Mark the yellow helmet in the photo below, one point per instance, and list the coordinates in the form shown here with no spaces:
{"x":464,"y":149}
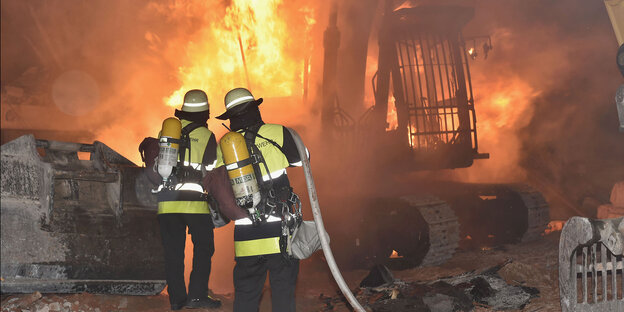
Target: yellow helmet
{"x":195,"y":101}
{"x":236,"y":101}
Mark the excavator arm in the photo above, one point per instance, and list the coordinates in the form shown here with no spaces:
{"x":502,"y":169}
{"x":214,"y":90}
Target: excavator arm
{"x":615,"y":9}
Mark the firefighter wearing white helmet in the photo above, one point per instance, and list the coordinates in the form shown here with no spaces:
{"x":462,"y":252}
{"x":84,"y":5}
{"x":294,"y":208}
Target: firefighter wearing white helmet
{"x":260,"y":238}
{"x":184,"y":204}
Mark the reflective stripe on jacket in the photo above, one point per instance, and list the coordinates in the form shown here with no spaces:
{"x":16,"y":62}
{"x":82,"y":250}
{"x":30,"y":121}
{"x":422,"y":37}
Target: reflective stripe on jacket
{"x":183,"y":207}
{"x":256,"y":240}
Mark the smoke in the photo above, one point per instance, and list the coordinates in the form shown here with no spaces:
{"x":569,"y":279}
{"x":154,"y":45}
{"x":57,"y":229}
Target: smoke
{"x":545,"y":100}
{"x":544,"y":97}
{"x":94,"y":63}
{"x":110,"y":66}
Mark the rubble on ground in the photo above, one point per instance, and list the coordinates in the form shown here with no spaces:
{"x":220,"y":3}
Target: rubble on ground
{"x":533,"y":264}
{"x":36,"y":302}
{"x":463,"y":292}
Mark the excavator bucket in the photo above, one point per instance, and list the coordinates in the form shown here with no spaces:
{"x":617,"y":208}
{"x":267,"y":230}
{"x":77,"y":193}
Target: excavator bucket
{"x":590,"y":265}
{"x":72,"y":225}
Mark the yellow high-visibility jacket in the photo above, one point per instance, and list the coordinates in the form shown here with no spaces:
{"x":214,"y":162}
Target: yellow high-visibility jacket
{"x":187,"y":197}
{"x":263,"y":239}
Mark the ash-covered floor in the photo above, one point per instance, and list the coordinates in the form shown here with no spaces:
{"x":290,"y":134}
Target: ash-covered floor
{"x":530,"y":265}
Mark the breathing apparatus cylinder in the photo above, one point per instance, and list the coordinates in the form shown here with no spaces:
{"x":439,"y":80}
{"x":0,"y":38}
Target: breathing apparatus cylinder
{"x":168,"y":153}
{"x":241,"y":172}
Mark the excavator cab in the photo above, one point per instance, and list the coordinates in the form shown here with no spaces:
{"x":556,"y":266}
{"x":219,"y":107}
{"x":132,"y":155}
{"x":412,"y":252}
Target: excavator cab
{"x":423,"y":68}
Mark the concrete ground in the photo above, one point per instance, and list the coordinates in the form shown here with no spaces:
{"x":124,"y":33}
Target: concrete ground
{"x":531,"y":264}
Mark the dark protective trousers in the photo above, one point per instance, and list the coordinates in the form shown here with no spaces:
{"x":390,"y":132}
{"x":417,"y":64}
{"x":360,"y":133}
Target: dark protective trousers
{"x":250,"y":275}
{"x":173,"y":232}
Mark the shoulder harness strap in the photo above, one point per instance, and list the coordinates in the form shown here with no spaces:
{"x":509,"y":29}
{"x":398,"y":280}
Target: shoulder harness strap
{"x":186,"y":141}
{"x":266,"y":188}
{"x":185,"y":173}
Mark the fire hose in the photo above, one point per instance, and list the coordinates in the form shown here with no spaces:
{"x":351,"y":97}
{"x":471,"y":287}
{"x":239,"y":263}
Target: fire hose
{"x":316,"y":211}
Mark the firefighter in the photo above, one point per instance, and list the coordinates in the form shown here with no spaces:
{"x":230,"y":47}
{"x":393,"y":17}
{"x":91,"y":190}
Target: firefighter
{"x":185,"y":205}
{"x":260,"y":244}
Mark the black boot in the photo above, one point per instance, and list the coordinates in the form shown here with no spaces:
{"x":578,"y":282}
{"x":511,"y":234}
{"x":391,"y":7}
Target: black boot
{"x":177,"y":306}
{"x":206,"y":302}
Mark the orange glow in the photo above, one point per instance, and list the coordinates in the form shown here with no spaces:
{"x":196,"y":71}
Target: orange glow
{"x":276,"y":40}
{"x":371,"y":69}
{"x":501,"y":101}
{"x":391,"y":119}
{"x":554,"y":226}
{"x":395,"y":255}
{"x":503,"y":106}
{"x":203,"y":49}
{"x":275,"y":69}
{"x":404,"y":5}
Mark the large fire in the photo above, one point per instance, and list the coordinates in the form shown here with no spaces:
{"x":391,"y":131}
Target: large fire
{"x":252,"y":45}
{"x":269,"y":46}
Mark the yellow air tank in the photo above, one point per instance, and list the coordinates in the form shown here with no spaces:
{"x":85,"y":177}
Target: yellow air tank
{"x":168,"y":153}
{"x":240,"y":171}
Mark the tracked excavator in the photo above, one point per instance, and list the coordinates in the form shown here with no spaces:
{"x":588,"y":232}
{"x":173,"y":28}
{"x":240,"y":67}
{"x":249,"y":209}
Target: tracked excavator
{"x":398,"y":212}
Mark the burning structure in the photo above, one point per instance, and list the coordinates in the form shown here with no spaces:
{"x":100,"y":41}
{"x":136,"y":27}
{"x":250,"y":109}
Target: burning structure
{"x":419,"y":116}
{"x":423,"y":69}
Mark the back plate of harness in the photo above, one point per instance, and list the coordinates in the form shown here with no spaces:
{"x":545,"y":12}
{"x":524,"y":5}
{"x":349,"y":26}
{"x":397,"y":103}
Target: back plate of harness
{"x":187,"y":174}
{"x":281,"y":201}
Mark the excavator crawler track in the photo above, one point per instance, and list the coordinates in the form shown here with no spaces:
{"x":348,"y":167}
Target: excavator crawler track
{"x":537,"y":210}
{"x":443,"y":228}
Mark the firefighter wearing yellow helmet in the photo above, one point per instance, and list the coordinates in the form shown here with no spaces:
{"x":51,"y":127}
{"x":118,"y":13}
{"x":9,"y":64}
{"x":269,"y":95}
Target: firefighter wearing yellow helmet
{"x":183,"y":202}
{"x":260,"y":238}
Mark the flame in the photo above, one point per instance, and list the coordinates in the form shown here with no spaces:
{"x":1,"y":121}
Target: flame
{"x":276,"y":40}
{"x":504,"y":104}
{"x":395,"y":255}
{"x":391,"y":118}
{"x":251,"y":46}
{"x":404,"y":5}
{"x":554,"y":226}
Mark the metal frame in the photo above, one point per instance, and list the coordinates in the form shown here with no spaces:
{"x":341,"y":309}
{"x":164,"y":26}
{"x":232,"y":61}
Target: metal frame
{"x":423,"y":60}
{"x":436,"y":89}
{"x":591,"y":264}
